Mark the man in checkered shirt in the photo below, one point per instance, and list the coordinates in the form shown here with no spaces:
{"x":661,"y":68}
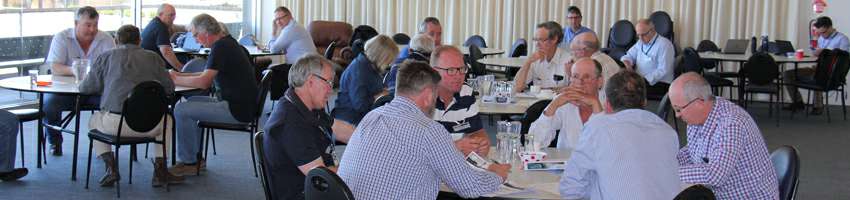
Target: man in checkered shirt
{"x":725,"y":151}
{"x":398,"y":152}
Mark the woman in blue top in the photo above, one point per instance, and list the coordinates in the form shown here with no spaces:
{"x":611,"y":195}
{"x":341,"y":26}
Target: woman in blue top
{"x":361,"y":82}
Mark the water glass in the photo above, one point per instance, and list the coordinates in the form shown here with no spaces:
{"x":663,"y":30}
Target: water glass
{"x":503,"y":147}
{"x":33,"y":76}
{"x":80,"y":68}
{"x":484,"y":84}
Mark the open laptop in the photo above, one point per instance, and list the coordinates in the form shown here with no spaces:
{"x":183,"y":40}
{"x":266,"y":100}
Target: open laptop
{"x":736,"y":46}
{"x":781,"y":47}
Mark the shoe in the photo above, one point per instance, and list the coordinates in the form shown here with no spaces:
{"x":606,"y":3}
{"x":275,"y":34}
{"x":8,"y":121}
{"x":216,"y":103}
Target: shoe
{"x":111,"y":176}
{"x":816,"y":111}
{"x":56,"y":149}
{"x":161,"y":176}
{"x":183,"y":169}
{"x":13,"y":175}
{"x":794,"y":106}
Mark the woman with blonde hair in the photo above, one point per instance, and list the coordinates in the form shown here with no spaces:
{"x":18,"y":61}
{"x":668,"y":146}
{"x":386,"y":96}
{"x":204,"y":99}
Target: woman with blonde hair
{"x":361,"y":82}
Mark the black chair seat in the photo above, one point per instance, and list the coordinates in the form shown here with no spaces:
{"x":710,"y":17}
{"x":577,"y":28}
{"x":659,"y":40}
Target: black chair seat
{"x":112,"y":139}
{"x":226,"y":126}
{"x":808,"y":83}
{"x":717,"y":81}
{"x":26,"y":114}
{"x":767,"y":88}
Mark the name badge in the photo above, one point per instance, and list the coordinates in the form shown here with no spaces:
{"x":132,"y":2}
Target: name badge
{"x":459,"y":127}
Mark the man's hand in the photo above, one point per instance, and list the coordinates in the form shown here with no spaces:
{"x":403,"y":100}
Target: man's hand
{"x":538,"y":55}
{"x":629,"y":65}
{"x":568,"y":67}
{"x":173,"y":74}
{"x":500,"y":169}
{"x":469,"y":144}
{"x":577,"y":96}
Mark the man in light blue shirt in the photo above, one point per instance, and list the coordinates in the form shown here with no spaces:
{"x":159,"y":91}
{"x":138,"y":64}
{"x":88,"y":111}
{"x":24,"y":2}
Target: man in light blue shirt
{"x":652,"y":57}
{"x":829,"y":39}
{"x":573,"y":28}
{"x":292,"y":38}
{"x":83,"y":42}
{"x":627,"y":153}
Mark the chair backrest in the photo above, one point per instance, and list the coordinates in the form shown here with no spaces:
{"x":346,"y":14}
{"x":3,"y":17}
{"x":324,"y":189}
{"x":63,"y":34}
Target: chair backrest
{"x":691,"y":62}
{"x":761,"y":69}
{"x":325,"y":32}
{"x":280,"y":80}
{"x":663,"y":24}
{"x":329,"y":52}
{"x":265,"y":86}
{"x":261,"y":162}
{"x":708,"y":46}
{"x":363,"y":32}
{"x":839,"y":70}
{"x":786,"y":162}
{"x":401,"y":39}
{"x":322,"y":183}
{"x":532,"y":113}
{"x":476,"y":68}
{"x":145,"y":106}
{"x":622,"y":35}
{"x":383,"y":100}
{"x":475,"y":40}
{"x":696,"y":192}
{"x":664,"y":107}
{"x":519,"y":48}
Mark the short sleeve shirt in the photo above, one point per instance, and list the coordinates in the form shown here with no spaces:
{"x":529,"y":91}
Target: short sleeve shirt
{"x":461,"y":115}
{"x":235,"y":81}
{"x":154,"y":35}
{"x":65,"y":48}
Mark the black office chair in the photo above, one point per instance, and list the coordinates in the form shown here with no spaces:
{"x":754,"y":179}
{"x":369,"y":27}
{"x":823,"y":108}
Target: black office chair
{"x":830,"y":75}
{"x":663,"y":111}
{"x":401,"y":39}
{"x":261,"y":162}
{"x":761,"y":74}
{"x":664,"y":27}
{"x":786,"y":162}
{"x":696,"y":192}
{"x":475,"y":68}
{"x":143,"y":110}
{"x":709,"y":46}
{"x":621,"y":37}
{"x":329,"y":52}
{"x":519,"y":48}
{"x":531,"y":114}
{"x":476,"y":40}
{"x":322,"y":183}
{"x":691,"y":62}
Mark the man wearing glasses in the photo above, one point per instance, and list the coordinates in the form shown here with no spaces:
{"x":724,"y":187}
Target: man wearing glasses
{"x":292,"y":38}
{"x":544,"y":68}
{"x":653,"y":57}
{"x":157,"y":34}
{"x":725,"y":149}
{"x":574,"y":27}
{"x":456,"y":108}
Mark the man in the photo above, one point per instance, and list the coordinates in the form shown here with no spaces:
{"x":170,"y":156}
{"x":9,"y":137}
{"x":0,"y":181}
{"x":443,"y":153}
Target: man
{"x":544,"y":68}
{"x":652,"y":57}
{"x":420,"y":48}
{"x":156,"y":36}
{"x":628,"y":153}
{"x":292,"y":38}
{"x":236,"y":90}
{"x":398,"y":152}
{"x":8,"y":134}
{"x":725,"y":149}
{"x":83,"y":42}
{"x":431,"y":27}
{"x":298,"y":136}
{"x":570,"y":110}
{"x":574,"y":27}
{"x":456,"y":107}
{"x":115,"y":74}
{"x":586,"y":45}
{"x":829,"y":39}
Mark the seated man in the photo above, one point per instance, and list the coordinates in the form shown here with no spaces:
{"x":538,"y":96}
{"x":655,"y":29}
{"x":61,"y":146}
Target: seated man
{"x":457,"y":108}
{"x":398,"y":152}
{"x":571,"y":109}
{"x":157,"y":34}
{"x":586,"y":45}
{"x":114,"y":74}
{"x":544,"y":68}
{"x":420,"y":48}
{"x":627,"y":153}
{"x":652,"y":57}
{"x":298,"y":136}
{"x":574,"y":27}
{"x":291,"y":38}
{"x":829,"y":39}
{"x":431,"y":27}
{"x":236,"y":90}
{"x":83,"y":42}
{"x":8,"y":134}
{"x":725,"y":149}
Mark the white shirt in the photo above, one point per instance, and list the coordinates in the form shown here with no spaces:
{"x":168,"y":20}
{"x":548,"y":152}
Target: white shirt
{"x":566,"y":120}
{"x":65,"y":48}
{"x":609,"y":66}
{"x":654,"y":59}
{"x":294,"y":41}
{"x":543,"y":72}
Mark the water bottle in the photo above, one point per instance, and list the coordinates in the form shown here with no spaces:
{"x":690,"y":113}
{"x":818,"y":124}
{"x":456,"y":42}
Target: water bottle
{"x":503,"y":145}
{"x":516,"y":146}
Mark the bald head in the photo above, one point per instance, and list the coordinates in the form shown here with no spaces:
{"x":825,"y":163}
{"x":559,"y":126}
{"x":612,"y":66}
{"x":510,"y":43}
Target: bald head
{"x":690,"y":86}
{"x":584,"y":45}
{"x":589,"y":65}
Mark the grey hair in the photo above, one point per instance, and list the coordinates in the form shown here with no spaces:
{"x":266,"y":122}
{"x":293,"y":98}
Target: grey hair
{"x":697,"y":88}
{"x":422,"y":43}
{"x":381,"y":50}
{"x":648,"y":23}
{"x":206,"y":23}
{"x":86,"y":12}
{"x":423,"y":26}
{"x":305,"y":67}
{"x":415,"y":76}
{"x":555,"y":30}
{"x":224,"y":28}
{"x":162,"y":8}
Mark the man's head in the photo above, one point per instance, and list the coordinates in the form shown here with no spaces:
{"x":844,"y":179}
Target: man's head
{"x":823,"y":25}
{"x":691,"y":98}
{"x":645,"y":30}
{"x":573,"y":17}
{"x":128,"y":34}
{"x":166,"y":14}
{"x":419,"y":82}
{"x":205,"y":29}
{"x":584,"y":45}
{"x":587,"y":75}
{"x":313,"y":74}
{"x":422,"y":43}
{"x":625,"y":90}
{"x":448,"y":61}
{"x":431,"y":26}
{"x":85,"y":23}
{"x":282,"y":16}
{"x":548,"y":35}
{"x":381,"y":50}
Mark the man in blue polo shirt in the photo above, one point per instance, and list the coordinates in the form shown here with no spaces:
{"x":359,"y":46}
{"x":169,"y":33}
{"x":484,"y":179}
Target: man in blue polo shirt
{"x":573,"y":28}
{"x":829,"y":39}
{"x":156,"y":36}
{"x":456,"y":108}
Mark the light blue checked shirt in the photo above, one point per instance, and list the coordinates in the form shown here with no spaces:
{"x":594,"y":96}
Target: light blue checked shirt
{"x":836,"y":40}
{"x":397,"y":152}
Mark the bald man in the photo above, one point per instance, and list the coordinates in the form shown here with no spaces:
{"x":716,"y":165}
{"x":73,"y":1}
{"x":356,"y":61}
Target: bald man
{"x":652,"y":57}
{"x":586,"y":45}
{"x":157,"y":36}
{"x":725,"y":149}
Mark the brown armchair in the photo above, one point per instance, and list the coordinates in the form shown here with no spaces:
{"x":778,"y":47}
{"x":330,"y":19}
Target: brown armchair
{"x":325,"y":32}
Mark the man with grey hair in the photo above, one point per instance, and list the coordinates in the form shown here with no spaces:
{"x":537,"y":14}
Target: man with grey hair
{"x":229,"y":67}
{"x":83,"y":44}
{"x":398,"y":152}
{"x":298,"y":134}
{"x":420,"y":48}
{"x":545,"y":68}
{"x":725,"y":149}
{"x":652,"y":57}
{"x":156,"y":36}
{"x":586,"y":45}
{"x":431,"y":27}
{"x":626,"y":145}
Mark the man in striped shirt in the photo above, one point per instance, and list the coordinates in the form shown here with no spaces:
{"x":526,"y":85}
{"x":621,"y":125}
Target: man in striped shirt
{"x":457,"y":108}
{"x":725,"y":150}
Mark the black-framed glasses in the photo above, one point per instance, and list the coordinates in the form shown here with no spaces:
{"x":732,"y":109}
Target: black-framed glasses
{"x":679,"y":110}
{"x":574,"y":17}
{"x":329,"y":82}
{"x":454,"y":71}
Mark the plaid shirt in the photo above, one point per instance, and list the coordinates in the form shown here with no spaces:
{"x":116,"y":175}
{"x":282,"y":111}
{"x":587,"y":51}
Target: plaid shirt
{"x":728,"y":154}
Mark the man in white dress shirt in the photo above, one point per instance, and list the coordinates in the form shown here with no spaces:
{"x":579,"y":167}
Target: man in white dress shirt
{"x":544,"y":68}
{"x":652,"y":57}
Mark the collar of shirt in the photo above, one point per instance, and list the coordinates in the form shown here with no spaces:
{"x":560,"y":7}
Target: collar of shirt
{"x":314,"y":117}
{"x":99,"y":37}
{"x":720,"y":106}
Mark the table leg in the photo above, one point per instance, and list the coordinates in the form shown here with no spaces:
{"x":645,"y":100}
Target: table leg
{"x":40,"y":131}
{"x":76,"y":138}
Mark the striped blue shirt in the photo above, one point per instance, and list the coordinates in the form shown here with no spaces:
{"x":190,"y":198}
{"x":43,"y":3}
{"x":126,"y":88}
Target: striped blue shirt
{"x":397,"y":152}
{"x":460,"y":115}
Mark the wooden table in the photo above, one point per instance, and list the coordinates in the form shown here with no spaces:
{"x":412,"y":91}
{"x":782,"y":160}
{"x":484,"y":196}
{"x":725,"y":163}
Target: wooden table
{"x":511,"y":62}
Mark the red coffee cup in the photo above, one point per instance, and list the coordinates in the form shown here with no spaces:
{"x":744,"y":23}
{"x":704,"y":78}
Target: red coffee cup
{"x":800,"y":54}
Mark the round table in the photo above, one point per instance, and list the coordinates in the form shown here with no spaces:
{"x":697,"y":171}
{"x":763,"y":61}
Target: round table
{"x":484,"y":51}
{"x":518,"y":107}
{"x":512,"y":62}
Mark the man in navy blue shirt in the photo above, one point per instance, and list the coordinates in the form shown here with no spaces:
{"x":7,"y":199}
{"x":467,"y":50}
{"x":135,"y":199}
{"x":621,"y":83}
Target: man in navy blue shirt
{"x":156,"y":36}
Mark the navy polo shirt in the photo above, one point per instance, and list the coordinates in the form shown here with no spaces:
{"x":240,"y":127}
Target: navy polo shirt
{"x":155,"y":34}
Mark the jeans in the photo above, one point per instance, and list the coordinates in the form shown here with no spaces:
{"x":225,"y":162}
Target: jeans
{"x":8,"y":134}
{"x":188,"y":113}
{"x":55,"y":104}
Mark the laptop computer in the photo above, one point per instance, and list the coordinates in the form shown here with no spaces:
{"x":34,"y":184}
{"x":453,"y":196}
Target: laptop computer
{"x":781,"y":47}
{"x":735,"y":46}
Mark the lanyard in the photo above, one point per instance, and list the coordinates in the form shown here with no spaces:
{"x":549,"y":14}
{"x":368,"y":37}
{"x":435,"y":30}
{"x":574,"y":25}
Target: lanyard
{"x":646,"y":51}
{"x":828,"y":41}
{"x":325,"y":132}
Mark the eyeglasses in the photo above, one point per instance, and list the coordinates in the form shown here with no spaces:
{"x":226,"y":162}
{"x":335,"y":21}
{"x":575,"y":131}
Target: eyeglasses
{"x":679,"y":110}
{"x":579,"y":49}
{"x":324,"y":80}
{"x":454,"y":71}
{"x":583,"y":79}
{"x":541,"y":39}
{"x":644,"y":33}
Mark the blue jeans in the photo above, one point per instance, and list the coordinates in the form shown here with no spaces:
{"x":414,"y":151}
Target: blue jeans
{"x":55,"y":104}
{"x":8,"y":134}
{"x":188,"y":113}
